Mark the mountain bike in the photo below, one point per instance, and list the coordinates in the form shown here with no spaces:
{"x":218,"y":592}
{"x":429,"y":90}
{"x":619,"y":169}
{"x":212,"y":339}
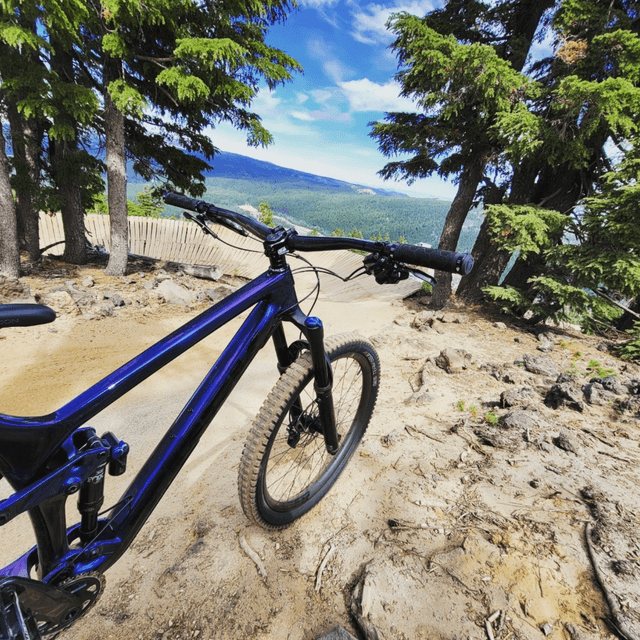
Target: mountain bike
{"x":304,"y":435}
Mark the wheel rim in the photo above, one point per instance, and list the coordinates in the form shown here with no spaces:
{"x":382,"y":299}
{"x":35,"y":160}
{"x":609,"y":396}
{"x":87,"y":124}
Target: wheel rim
{"x":297,"y":460}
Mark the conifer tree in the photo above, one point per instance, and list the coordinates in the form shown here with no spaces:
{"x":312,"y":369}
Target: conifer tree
{"x":462,"y":65}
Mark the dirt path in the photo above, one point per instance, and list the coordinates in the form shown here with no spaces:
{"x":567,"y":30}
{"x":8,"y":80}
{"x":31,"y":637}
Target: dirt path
{"x":442,"y":518}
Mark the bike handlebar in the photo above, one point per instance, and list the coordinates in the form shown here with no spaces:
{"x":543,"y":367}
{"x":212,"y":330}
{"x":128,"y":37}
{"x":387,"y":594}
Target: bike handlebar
{"x":225,"y":217}
{"x":449,"y":261}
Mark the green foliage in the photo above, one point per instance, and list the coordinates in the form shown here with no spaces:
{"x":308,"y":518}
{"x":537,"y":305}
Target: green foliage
{"x":630,"y":350}
{"x":595,"y":369}
{"x":491,"y":418}
{"x":527,"y":229}
{"x":314,"y":232}
{"x":147,"y":204}
{"x":266,"y":215}
{"x":337,"y":233}
{"x":512,"y":300}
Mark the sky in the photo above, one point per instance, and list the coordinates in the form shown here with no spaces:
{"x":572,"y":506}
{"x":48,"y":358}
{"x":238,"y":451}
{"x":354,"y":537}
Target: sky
{"x":319,"y":120}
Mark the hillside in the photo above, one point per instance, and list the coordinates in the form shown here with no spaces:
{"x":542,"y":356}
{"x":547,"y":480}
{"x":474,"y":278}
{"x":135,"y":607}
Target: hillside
{"x":466,"y":504}
{"x":315,"y":201}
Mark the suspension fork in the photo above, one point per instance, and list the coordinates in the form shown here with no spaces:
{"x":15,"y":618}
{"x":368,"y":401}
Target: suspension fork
{"x":313,"y":331}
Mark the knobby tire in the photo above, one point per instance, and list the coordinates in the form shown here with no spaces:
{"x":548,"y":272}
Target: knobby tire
{"x":285,"y":468}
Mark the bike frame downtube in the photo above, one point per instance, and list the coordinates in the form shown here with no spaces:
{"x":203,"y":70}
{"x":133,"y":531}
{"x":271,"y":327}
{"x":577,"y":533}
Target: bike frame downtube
{"x":171,"y":453}
{"x":273,"y":296}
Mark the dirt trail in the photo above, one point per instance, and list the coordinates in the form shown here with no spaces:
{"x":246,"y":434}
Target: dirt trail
{"x":442,"y":518}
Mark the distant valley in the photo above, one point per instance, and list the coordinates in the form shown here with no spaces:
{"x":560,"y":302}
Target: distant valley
{"x":312,"y":201}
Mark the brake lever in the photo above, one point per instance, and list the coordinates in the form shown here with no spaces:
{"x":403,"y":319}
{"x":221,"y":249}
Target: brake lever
{"x":425,"y":277}
{"x":200,"y":220}
{"x":234,"y":226}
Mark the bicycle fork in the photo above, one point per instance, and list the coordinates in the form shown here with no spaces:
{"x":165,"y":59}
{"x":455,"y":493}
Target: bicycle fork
{"x":313,"y":331}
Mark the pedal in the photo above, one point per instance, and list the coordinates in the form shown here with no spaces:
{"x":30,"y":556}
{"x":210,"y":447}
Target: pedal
{"x":16,"y":623}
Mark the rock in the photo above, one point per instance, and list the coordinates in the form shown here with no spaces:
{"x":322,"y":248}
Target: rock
{"x":453,"y":360}
{"x":337,"y":633}
{"x":633,"y":386}
{"x":117,"y":300}
{"x":208,"y":272}
{"x":541,"y":365}
{"x":571,"y":378}
{"x":88,"y":282}
{"x":421,"y":397}
{"x":520,"y":419}
{"x":174,"y":293}
{"x":596,"y":394}
{"x":423,"y":319}
{"x":499,"y":325}
{"x":547,"y":628}
{"x":564,"y":394}
{"x":217,"y":294}
{"x":62,"y":303}
{"x":518,"y":397}
{"x":566,"y":442}
{"x":631,"y":405}
{"x":12,"y":290}
{"x":545,"y":347}
{"x":613,"y":385}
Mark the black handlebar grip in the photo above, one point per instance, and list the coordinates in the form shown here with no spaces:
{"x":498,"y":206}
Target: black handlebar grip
{"x":183,"y":202}
{"x":449,"y":261}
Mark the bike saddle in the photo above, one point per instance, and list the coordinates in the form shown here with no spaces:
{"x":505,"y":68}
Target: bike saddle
{"x":25,"y":315}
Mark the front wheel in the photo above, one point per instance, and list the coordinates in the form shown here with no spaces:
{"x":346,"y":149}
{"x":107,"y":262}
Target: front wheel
{"x":285,"y":468}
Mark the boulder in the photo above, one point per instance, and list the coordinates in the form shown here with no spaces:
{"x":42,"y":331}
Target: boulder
{"x":540,"y":365}
{"x":518,"y":397}
{"x":453,"y":360}
{"x":596,"y":394}
{"x":564,"y":394}
{"x":62,"y":303}
{"x":521,"y":419}
{"x":174,"y":293}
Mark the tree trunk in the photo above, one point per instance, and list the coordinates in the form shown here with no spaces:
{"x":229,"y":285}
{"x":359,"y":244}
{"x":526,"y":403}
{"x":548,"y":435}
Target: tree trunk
{"x":117,"y":187}
{"x":469,"y":180}
{"x":9,"y":252}
{"x":490,"y":263}
{"x":626,"y":320}
{"x":559,"y":190}
{"x":26,"y":155}
{"x":65,"y":168}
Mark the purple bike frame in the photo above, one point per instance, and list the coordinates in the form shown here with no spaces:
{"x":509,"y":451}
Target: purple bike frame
{"x":273,"y":299}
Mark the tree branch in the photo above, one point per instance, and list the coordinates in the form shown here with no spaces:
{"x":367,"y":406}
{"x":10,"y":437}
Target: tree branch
{"x":617,"y":304}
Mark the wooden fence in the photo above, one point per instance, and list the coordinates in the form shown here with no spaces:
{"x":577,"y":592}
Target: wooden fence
{"x":182,"y":241}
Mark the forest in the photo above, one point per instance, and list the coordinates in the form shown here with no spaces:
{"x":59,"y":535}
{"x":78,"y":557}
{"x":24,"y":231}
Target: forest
{"x":414,"y":219}
{"x":532,"y":108}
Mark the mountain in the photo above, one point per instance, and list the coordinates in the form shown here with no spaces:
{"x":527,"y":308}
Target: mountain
{"x":233,"y":166}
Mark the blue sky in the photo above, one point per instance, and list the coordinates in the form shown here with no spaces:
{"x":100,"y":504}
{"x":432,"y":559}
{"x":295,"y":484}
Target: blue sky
{"x":320,"y":120}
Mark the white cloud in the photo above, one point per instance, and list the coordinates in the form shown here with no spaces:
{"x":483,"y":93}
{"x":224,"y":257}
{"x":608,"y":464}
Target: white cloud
{"x":321,"y":96}
{"x":302,"y":115}
{"x":301,"y":97}
{"x":369,"y":24}
{"x":333,"y":67}
{"x":365,"y":95}
{"x":319,"y":4}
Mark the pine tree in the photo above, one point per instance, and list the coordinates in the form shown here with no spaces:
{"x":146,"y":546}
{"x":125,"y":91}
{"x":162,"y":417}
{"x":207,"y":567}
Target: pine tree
{"x":461,"y":64}
{"x":266,"y":215}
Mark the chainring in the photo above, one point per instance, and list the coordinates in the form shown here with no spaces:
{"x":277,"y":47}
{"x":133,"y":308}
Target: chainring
{"x":88,"y":587}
